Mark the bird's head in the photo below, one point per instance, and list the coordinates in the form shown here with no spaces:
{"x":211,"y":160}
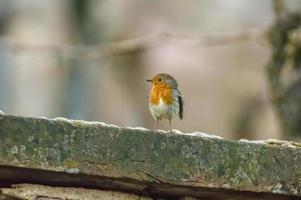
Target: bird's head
{"x":163,"y":80}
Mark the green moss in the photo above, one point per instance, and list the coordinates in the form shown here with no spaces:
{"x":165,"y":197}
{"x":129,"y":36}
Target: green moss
{"x":95,"y":149}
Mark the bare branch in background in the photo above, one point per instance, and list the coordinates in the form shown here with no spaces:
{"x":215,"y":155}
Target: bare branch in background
{"x":135,"y":44}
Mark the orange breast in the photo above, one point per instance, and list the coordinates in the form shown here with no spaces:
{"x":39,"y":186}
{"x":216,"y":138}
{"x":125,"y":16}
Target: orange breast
{"x":161,"y":92}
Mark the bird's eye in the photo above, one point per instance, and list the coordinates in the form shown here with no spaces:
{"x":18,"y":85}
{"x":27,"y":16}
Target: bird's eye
{"x":159,"y":79}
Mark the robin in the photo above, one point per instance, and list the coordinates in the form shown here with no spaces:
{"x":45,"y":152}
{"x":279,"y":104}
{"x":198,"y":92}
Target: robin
{"x":165,"y":100}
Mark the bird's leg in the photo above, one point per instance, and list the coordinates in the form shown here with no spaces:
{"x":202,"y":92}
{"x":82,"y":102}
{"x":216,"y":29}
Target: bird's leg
{"x":170,"y":127}
{"x":156,"y":120}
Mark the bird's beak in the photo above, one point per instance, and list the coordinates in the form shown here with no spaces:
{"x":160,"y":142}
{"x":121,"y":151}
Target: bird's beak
{"x":149,"y":80}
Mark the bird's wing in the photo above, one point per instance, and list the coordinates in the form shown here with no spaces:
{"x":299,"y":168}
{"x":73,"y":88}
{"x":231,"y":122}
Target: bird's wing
{"x":181,"y":104}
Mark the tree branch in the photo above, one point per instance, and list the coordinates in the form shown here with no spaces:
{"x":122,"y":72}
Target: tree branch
{"x":279,"y":8}
{"x":135,"y":44}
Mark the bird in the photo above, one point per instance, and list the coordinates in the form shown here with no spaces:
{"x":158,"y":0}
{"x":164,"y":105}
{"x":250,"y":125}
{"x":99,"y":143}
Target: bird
{"x":165,"y":99}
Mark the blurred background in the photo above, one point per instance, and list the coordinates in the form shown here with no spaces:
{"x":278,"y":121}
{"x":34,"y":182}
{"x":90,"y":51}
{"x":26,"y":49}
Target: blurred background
{"x":89,"y":60}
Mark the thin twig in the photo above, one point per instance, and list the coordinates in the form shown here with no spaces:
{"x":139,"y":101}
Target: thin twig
{"x":133,"y":45}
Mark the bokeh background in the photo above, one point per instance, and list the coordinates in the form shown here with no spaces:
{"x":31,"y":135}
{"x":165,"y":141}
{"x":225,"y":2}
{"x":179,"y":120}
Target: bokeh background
{"x":89,"y":60}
